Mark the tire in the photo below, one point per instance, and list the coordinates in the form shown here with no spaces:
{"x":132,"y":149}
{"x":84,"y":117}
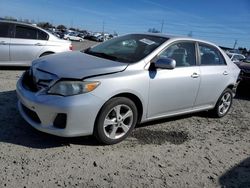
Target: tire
{"x":68,"y":38}
{"x":223,"y":104}
{"x":115,"y":121}
{"x":46,"y":53}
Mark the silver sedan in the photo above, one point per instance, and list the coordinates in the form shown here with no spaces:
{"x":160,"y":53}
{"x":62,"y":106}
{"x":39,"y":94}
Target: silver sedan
{"x":107,"y":89}
{"x":21,"y":43}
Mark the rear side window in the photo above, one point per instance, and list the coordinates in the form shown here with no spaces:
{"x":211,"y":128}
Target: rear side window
{"x":42,"y":35}
{"x":210,"y":55}
{"x":25,"y":32}
{"x":4,"y":30}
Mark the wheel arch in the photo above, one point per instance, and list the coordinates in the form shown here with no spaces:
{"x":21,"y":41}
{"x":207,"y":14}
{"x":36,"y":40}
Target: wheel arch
{"x":133,"y":98}
{"x":46,"y":53}
{"x":136,"y":100}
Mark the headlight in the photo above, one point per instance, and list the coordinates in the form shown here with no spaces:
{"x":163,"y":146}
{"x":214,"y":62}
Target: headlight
{"x":68,"y":88}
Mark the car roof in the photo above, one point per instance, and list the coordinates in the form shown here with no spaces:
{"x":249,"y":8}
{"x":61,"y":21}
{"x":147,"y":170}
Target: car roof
{"x":167,"y":36}
{"x":235,"y":54}
{"x":26,"y":24}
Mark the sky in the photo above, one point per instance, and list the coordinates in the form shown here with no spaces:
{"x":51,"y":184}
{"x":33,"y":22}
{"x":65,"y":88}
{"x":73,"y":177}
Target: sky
{"x":219,"y":21}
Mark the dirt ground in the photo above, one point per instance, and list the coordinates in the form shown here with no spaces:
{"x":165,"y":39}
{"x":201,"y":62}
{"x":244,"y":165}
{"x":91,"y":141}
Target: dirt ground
{"x":188,"y":151}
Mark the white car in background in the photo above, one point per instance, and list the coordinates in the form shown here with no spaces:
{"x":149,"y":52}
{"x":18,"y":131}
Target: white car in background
{"x":21,"y":43}
{"x":73,"y":36}
{"x":236,"y":57}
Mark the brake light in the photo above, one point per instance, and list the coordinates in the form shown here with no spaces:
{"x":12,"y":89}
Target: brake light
{"x":71,"y":47}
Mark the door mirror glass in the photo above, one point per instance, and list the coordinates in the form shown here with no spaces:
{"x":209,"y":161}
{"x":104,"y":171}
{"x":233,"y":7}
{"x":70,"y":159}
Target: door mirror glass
{"x":165,"y":63}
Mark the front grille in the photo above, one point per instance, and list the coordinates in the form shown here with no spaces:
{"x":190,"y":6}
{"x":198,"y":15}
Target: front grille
{"x":28,"y":82}
{"x":31,"y":114}
{"x":35,"y":80}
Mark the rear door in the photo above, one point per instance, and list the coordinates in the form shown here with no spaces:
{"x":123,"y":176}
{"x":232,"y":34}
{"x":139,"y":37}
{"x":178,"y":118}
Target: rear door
{"x":4,"y":42}
{"x":27,"y":44}
{"x":214,"y":75}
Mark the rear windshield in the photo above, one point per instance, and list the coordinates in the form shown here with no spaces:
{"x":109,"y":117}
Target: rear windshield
{"x":128,"y":49}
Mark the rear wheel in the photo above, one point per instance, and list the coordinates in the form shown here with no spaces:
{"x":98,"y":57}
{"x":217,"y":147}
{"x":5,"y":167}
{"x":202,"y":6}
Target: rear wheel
{"x":224,"y":103}
{"x":116,"y":120}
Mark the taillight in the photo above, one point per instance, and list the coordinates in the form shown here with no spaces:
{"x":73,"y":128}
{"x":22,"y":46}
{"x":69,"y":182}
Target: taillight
{"x":71,"y":47}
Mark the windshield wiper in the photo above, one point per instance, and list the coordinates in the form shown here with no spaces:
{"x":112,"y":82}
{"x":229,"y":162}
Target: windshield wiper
{"x":101,"y":54}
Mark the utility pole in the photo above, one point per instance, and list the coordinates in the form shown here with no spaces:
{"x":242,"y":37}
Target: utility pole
{"x":235,"y":43}
{"x":190,"y":34}
{"x":162,"y":24}
{"x":103,"y":28}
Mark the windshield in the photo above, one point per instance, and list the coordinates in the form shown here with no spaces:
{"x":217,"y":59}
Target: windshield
{"x":128,"y":49}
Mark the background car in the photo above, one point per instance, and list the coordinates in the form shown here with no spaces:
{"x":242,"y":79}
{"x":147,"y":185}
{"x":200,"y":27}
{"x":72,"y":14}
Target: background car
{"x":236,"y":57}
{"x":21,"y":43}
{"x":109,"y":88}
{"x":73,"y":36}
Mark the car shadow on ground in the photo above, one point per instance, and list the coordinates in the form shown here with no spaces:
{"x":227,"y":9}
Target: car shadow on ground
{"x":237,"y":176}
{"x":14,"y":130}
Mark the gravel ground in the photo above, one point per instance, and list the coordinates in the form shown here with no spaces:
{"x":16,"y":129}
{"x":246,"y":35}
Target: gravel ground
{"x":187,"y":151}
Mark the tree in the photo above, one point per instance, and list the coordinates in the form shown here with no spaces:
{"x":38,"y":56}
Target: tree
{"x":45,"y":25}
{"x":242,"y":50}
{"x":153,"y":30}
{"x":61,"y":27}
{"x":10,"y":18}
{"x":73,"y":29}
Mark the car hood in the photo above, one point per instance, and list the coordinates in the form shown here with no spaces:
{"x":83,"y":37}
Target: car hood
{"x":77,"y":65}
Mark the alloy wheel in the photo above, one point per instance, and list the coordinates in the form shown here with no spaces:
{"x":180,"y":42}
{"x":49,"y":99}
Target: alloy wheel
{"x":118,"y":121}
{"x":225,"y":103}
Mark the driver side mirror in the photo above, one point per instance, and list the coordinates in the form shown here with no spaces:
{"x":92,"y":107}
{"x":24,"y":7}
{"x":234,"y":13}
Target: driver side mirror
{"x":165,"y":63}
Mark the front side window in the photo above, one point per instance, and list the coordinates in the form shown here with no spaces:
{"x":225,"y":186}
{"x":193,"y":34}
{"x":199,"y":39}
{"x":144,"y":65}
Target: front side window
{"x":128,"y":49}
{"x":209,"y":55}
{"x":24,"y":32}
{"x":4,"y":30}
{"x":182,"y":52}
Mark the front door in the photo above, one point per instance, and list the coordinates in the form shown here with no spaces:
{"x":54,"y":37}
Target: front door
{"x":26,"y":45}
{"x":4,"y":43}
{"x":174,"y":91}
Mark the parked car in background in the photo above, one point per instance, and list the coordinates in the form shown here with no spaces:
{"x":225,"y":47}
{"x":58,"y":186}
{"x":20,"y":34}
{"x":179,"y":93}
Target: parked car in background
{"x":109,"y":88}
{"x":73,"y":36}
{"x":236,"y":57}
{"x":82,"y":35}
{"x":247,"y":59}
{"x":21,"y":43}
{"x":244,"y":66}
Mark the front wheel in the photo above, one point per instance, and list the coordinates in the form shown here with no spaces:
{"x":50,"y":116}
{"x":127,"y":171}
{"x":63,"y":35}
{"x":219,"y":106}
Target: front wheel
{"x":116,"y":120}
{"x":224,"y":103}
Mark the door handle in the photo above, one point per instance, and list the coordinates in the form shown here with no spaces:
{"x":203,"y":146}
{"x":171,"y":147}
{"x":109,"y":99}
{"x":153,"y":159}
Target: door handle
{"x":225,"y":73}
{"x":195,"y":75}
{"x":38,"y":44}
